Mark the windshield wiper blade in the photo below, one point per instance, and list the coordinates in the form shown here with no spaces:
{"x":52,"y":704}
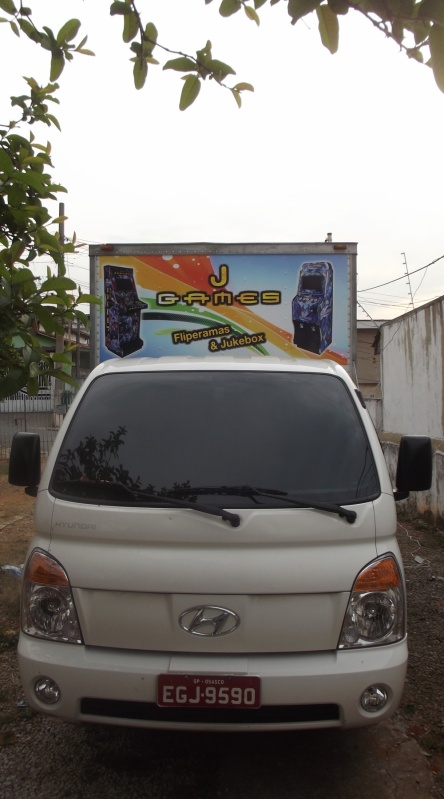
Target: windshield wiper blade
{"x":272,"y":493}
{"x":243,"y":490}
{"x":329,"y":507}
{"x":213,"y":510}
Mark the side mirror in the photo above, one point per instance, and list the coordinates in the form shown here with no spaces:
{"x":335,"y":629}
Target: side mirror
{"x":414,"y":471}
{"x":24,"y":461}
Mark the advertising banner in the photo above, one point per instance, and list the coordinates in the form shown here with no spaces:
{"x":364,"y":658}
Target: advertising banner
{"x":279,"y":304}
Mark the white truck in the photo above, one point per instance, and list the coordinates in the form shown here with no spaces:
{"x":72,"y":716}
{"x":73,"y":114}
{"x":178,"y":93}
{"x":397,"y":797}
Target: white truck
{"x":215,"y":545}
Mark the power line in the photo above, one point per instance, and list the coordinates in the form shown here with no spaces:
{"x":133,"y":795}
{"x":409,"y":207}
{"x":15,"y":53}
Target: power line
{"x":421,"y":268}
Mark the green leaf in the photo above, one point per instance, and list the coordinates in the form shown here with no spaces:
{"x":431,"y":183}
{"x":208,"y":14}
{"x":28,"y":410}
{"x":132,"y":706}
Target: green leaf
{"x":140,"y":72}
{"x":57,"y":64}
{"x":190,"y":91}
{"x":14,"y":28}
{"x":219,"y":69}
{"x":251,"y":14}
{"x":8,"y":6}
{"x":244,"y":87}
{"x":6,"y":165}
{"x":82,"y":317}
{"x":60,"y":357}
{"x":237,"y":97}
{"x":19,"y":141}
{"x":259,"y":3}
{"x":204,"y":55}
{"x":119,"y":8}
{"x":88,"y":299}
{"x":182,"y":64}
{"x":52,"y":39}
{"x":407,"y":8}
{"x":33,"y":179}
{"x":33,"y":386}
{"x":130,"y":27}
{"x":34,"y":159}
{"x":339,"y":6}
{"x":436,"y":43}
{"x":300,"y":8}
{"x":420,"y":30}
{"x":52,"y":299}
{"x":28,"y":29}
{"x":151,"y":32}
{"x":53,"y":120}
{"x":412,"y":52}
{"x":68,"y":31}
{"x":22,"y":276}
{"x":328,"y":28}
{"x":56,"y":283}
{"x":229,"y":7}
{"x":398,"y":31}
{"x":432,"y":10}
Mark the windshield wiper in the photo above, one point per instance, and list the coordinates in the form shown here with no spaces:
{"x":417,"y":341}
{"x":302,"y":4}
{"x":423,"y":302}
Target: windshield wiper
{"x":233,"y":518}
{"x":329,"y":507}
{"x":272,"y":493}
{"x":243,"y":490}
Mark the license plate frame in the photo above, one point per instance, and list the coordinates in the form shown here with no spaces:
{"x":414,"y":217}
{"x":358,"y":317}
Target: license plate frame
{"x":214,"y":691}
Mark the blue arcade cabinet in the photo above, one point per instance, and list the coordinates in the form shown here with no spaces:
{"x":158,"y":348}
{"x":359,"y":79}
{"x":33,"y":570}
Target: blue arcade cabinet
{"x":122,"y":311}
{"x":312,"y":307}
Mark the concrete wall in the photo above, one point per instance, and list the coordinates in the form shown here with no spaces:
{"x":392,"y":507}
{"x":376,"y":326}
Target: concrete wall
{"x":412,"y":348}
{"x":374,"y":407}
{"x":412,"y":370}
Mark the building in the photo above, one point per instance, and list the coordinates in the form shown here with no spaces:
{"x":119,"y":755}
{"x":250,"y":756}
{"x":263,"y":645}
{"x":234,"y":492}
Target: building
{"x":368,"y":374}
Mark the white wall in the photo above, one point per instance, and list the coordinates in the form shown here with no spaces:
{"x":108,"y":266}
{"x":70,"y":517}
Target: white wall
{"x":412,"y":350}
{"x":374,"y":407}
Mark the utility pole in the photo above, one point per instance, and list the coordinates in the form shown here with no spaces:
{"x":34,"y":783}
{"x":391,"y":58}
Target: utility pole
{"x":60,"y":338}
{"x":408,"y":280}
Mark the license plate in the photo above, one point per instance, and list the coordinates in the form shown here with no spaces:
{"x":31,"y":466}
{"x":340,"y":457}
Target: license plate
{"x":206,"y":690}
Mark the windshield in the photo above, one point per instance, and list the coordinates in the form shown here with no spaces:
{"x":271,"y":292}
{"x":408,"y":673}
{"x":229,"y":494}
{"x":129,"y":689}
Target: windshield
{"x":195,"y":434}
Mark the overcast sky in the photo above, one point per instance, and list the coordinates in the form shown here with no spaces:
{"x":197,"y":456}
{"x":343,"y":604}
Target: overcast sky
{"x":349,"y":144}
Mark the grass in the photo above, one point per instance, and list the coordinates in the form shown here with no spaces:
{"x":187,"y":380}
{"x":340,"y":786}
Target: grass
{"x":9,"y":612}
{"x":433,"y":743}
{"x":8,"y":640}
{"x":409,"y":709}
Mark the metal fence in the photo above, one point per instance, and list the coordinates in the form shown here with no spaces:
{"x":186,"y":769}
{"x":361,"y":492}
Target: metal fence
{"x":42,"y":414}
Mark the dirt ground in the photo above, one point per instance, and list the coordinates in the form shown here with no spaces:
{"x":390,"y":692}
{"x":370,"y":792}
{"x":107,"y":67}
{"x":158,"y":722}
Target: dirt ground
{"x":422,"y":709}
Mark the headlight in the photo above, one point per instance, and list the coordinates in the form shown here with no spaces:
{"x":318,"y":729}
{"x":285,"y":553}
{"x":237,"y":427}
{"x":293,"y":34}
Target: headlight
{"x":48,"y":609}
{"x":376,"y":609}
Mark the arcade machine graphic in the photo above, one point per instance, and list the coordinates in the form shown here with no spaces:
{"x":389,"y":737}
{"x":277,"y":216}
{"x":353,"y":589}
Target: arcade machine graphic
{"x":122,"y":311}
{"x":312,"y":307}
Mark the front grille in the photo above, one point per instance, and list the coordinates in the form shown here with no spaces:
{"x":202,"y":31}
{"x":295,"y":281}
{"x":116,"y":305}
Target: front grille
{"x":148,"y":711}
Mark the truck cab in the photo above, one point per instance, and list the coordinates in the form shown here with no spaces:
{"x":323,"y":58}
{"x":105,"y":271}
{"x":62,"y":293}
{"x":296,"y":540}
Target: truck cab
{"x":215,"y":549}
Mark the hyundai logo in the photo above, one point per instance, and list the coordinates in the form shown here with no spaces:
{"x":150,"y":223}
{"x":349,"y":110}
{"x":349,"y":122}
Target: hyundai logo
{"x":209,"y":620}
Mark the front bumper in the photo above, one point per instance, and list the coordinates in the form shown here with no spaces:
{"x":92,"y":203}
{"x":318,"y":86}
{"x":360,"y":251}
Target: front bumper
{"x":299,"y":691}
